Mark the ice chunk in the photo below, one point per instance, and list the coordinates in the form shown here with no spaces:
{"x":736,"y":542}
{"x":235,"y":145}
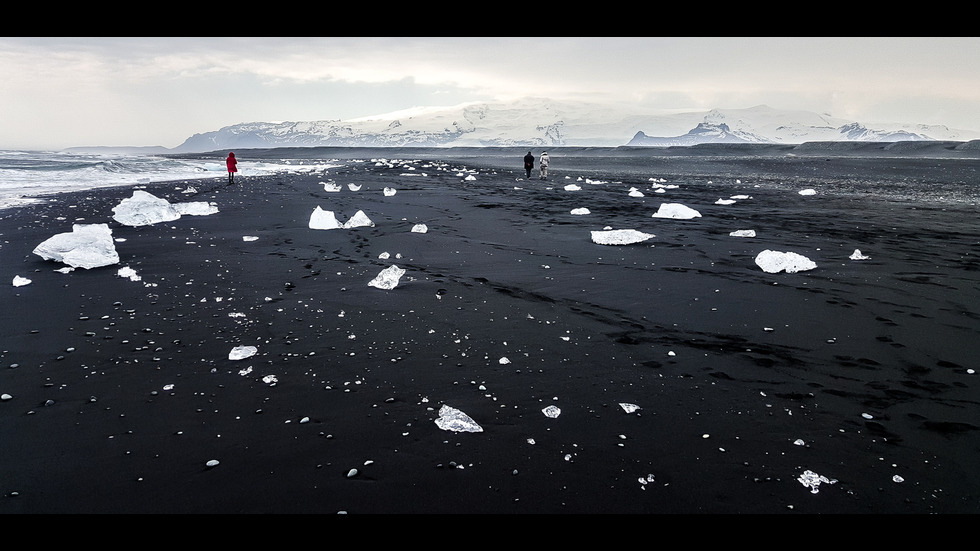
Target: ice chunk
{"x":635,"y":192}
{"x":354,"y":187}
{"x":677,"y":211}
{"x":388,"y":191}
{"x":856,"y":255}
{"x":21,"y":281}
{"x":581,"y":210}
{"x":619,"y":237}
{"x":775,"y":261}
{"x":455,"y":420}
{"x":195,"y":208}
{"x":143,"y":209}
{"x":725,"y":202}
{"x":813,"y":480}
{"x":743,"y":233}
{"x":250,"y":238}
{"x":128,"y":273}
{"x":420,"y":228}
{"x":242,"y":352}
{"x":358,"y":220}
{"x":628,"y":408}
{"x":327,"y":220}
{"x":572,"y":187}
{"x":808,"y":192}
{"x":551,"y":411}
{"x":86,"y":246}
{"x":323,"y":220}
{"x":388,"y":278}
{"x":330,"y":186}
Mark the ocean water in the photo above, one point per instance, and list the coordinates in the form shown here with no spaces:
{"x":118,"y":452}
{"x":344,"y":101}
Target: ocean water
{"x":26,"y":175}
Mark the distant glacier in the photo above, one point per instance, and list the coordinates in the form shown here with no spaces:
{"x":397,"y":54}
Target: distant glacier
{"x":536,"y":122}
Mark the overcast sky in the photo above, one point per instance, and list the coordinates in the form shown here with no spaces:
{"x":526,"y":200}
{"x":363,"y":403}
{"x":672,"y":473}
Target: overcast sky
{"x":60,"y":92}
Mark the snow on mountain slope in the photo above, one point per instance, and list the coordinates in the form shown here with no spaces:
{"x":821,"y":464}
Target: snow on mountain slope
{"x":542,"y":122}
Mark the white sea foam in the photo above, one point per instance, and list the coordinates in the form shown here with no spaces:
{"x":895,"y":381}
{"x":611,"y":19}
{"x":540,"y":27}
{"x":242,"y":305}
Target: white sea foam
{"x":28,"y":175}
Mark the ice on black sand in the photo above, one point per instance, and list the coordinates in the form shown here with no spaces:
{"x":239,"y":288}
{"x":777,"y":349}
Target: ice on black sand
{"x":620,"y":237}
{"x":676,"y":211}
{"x":242,"y":352}
{"x":144,"y":209}
{"x":775,"y":261}
{"x":388,"y":278}
{"x":454,"y":420}
{"x":86,"y":246}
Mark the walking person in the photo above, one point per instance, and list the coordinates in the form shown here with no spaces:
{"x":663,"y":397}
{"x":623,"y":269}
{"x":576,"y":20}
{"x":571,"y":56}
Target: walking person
{"x":528,"y":163}
{"x":232,"y":163}
{"x":543,"y":163}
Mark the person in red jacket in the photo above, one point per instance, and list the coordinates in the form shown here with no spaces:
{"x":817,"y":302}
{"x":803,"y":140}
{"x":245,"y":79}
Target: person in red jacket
{"x":232,"y":164}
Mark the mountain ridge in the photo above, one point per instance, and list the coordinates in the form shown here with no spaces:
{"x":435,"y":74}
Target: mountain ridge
{"x":541,"y":122}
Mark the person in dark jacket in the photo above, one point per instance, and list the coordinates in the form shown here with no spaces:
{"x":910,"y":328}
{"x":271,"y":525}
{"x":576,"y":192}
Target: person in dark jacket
{"x":232,"y":163}
{"x":528,"y":163}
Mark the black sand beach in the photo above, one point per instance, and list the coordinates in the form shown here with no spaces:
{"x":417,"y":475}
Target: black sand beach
{"x":859,"y":371}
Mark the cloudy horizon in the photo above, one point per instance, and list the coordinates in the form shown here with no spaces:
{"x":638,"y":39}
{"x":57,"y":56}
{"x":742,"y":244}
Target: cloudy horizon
{"x":61,"y":92}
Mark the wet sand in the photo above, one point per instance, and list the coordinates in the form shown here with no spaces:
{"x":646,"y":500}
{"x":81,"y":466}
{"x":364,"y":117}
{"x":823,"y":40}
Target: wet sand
{"x":859,"y":371}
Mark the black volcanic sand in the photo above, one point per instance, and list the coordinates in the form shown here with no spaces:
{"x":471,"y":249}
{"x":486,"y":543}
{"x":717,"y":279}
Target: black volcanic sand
{"x":859,"y":371}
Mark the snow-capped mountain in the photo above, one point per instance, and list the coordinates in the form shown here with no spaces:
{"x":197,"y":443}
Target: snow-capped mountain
{"x":542,"y":122}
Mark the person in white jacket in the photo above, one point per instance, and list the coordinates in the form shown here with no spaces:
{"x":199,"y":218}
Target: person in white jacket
{"x":543,"y":163}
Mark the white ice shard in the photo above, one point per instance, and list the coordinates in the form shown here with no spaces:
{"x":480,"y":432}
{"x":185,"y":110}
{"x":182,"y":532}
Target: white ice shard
{"x":742,"y":233}
{"x":629,"y":408}
{"x":128,"y":273}
{"x":572,"y":187}
{"x":21,"y":281}
{"x":551,"y":411}
{"x":387,"y":278}
{"x":808,"y":192}
{"x":677,"y":211}
{"x":323,"y":220}
{"x":86,"y":246}
{"x":774,"y":261}
{"x":144,"y":209}
{"x":420,"y":228}
{"x":619,"y":237}
{"x":388,"y":191}
{"x":354,"y":187}
{"x":195,"y":208}
{"x":358,"y":220}
{"x":725,"y":201}
{"x":327,"y":220}
{"x":330,"y":186}
{"x":242,"y":352}
{"x":856,"y":255}
{"x":813,"y":480}
{"x":454,"y":420}
{"x":581,"y":210}
{"x":635,"y":192}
